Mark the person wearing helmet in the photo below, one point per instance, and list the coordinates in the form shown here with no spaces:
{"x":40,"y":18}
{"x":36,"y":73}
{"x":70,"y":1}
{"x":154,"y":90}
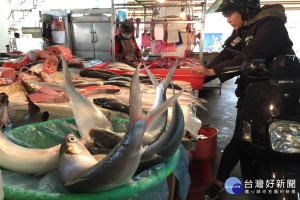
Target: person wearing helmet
{"x":259,"y":33}
{"x":126,"y":47}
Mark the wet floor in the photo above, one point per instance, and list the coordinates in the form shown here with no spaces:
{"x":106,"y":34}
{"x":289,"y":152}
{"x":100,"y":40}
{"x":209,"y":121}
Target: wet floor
{"x":221,"y":114}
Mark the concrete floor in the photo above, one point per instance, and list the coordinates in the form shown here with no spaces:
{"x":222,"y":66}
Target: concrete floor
{"x":221,"y":114}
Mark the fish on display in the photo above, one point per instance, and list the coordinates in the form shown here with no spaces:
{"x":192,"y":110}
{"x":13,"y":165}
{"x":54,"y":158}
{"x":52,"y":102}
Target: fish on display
{"x":100,"y":89}
{"x":113,"y":104}
{"x":4,"y":120}
{"x":166,"y":146}
{"x":27,"y":160}
{"x":120,"y":78}
{"x":86,"y":114}
{"x":156,"y":129}
{"x":86,"y":84}
{"x":33,"y":115}
{"x":118,"y":83}
{"x":103,"y":74}
{"x":79,"y":171}
{"x":40,"y":94}
{"x":120,"y":66}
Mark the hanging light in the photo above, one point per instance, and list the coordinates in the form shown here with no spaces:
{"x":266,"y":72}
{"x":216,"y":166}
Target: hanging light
{"x":182,"y":13}
{"x":160,"y":1}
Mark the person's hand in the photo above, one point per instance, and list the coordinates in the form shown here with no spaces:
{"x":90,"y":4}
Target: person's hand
{"x":203,"y":70}
{"x":128,"y":58}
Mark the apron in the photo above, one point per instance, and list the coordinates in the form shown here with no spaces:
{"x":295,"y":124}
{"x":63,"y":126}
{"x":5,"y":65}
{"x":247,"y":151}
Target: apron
{"x":128,"y":47}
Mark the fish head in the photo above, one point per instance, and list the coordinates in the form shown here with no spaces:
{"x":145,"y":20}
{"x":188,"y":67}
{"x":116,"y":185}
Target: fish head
{"x":72,"y":145}
{"x":29,"y":86}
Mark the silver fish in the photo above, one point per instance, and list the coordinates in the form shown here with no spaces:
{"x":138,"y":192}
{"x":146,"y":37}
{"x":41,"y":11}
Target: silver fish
{"x":78,"y":170}
{"x":33,"y":115}
{"x":166,"y":146}
{"x":86,"y":114}
{"x":26,"y":160}
{"x":155,"y":130}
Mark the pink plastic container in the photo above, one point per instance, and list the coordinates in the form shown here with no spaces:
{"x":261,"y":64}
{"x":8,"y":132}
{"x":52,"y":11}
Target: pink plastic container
{"x":206,"y":148}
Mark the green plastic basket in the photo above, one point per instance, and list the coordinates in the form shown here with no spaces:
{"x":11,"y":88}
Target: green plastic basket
{"x":52,"y":132}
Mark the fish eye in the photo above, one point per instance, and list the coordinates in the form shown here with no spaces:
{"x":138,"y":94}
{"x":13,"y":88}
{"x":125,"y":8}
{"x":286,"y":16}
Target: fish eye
{"x":71,"y":139}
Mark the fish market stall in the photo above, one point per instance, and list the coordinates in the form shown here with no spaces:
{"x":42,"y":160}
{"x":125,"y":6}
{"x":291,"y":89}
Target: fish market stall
{"x":19,"y":106}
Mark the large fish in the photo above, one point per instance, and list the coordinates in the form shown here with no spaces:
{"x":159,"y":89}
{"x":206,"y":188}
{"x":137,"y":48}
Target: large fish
{"x":155,"y":130}
{"x":86,"y":114}
{"x":26,"y":160}
{"x":4,"y":119}
{"x":33,"y":115}
{"x":166,"y":146}
{"x":79,"y":171}
{"x":159,"y":126}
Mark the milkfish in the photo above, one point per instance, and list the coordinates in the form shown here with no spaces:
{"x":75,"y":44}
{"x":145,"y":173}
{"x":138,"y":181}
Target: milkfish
{"x":103,"y":74}
{"x":113,"y":104}
{"x":118,"y":83}
{"x":155,"y":130}
{"x":26,"y":160}
{"x":86,"y":114}
{"x":4,"y":119}
{"x":79,"y":171}
{"x":166,"y":146}
{"x":33,"y":115}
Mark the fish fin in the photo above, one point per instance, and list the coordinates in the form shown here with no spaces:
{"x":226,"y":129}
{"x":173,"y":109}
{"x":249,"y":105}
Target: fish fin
{"x":170,"y":75}
{"x":45,"y":116}
{"x":32,"y":106}
{"x":66,"y":73}
{"x":53,"y":86}
{"x":199,"y":102}
{"x":135,"y":102}
{"x":152,"y":115}
{"x":152,"y":77}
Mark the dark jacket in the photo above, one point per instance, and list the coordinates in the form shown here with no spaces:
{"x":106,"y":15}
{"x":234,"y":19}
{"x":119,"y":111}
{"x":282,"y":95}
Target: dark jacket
{"x":263,"y":36}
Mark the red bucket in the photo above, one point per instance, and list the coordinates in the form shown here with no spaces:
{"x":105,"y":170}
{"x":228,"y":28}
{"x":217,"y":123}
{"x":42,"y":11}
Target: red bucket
{"x":207,"y":147}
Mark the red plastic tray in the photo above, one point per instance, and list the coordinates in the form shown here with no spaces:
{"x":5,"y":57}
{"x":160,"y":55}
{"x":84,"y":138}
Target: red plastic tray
{"x":187,"y":75}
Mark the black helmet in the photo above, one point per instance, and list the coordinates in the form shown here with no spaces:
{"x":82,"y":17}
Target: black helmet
{"x":229,"y":4}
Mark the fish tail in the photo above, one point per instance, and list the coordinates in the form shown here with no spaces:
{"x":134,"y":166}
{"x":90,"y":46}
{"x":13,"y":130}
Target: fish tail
{"x":135,"y":102}
{"x":32,"y":106}
{"x":152,"y":77}
{"x":199,"y":102}
{"x":66,"y":73}
{"x":170,"y":75}
{"x":155,"y":113}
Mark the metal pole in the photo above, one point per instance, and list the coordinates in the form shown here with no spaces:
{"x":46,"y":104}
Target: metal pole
{"x":202,"y":32}
{"x":113,"y":30}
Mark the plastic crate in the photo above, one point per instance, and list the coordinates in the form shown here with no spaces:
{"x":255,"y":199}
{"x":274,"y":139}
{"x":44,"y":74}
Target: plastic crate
{"x":187,"y":75}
